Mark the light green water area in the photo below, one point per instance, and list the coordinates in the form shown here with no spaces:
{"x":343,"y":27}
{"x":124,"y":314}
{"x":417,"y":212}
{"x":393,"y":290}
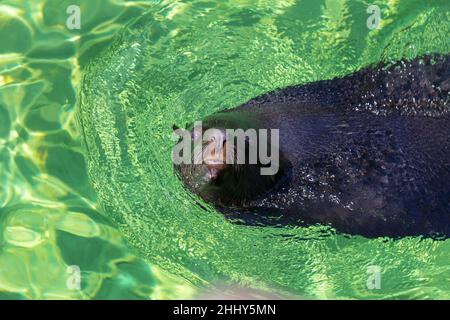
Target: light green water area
{"x":86,"y":178}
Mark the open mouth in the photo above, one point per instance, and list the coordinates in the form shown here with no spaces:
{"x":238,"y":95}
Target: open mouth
{"x":212,"y":174}
{"x":214,"y":166}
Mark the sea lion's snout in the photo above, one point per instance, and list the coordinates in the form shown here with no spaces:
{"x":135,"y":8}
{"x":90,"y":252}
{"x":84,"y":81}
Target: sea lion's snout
{"x":213,"y":154}
{"x":214,"y":157}
{"x":226,"y":167}
{"x":206,"y":158}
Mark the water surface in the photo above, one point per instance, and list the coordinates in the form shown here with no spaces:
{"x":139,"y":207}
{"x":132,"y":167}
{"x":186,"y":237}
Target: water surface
{"x":121,"y":214}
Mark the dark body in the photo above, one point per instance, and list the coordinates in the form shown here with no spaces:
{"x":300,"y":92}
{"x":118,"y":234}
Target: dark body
{"x":368,"y":154}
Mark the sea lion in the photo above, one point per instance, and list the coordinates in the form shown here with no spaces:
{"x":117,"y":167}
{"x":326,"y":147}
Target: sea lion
{"x":368,"y":154}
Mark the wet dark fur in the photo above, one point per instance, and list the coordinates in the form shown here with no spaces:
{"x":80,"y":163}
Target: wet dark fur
{"x":368,"y":153}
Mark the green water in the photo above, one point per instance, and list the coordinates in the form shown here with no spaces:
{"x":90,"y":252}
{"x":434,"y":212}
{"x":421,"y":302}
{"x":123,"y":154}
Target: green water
{"x":86,"y":179}
{"x":49,"y":216}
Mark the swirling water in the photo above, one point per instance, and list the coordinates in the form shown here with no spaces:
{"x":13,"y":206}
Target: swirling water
{"x":113,"y":206}
{"x":49,"y":216}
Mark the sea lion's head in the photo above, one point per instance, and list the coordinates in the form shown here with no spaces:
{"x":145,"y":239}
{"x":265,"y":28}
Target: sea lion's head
{"x":228,"y":160}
